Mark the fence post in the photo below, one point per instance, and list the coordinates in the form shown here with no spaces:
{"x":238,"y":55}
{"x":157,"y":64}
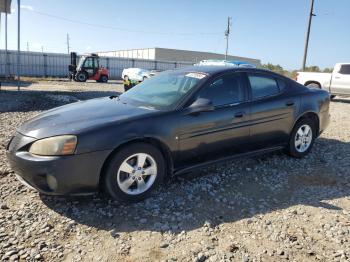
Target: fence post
{"x":45,"y":65}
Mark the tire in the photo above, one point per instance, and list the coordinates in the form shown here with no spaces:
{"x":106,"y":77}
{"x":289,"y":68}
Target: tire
{"x":313,"y":85}
{"x":81,"y":77}
{"x":332,"y":97}
{"x":103,"y":79}
{"x":137,"y":181}
{"x":294,"y":148}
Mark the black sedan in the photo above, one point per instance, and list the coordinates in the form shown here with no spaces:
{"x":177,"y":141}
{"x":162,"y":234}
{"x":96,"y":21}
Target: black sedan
{"x":172,"y":123}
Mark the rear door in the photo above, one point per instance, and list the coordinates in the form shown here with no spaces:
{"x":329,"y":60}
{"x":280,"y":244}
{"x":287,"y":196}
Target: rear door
{"x":224,"y":131}
{"x":272,"y":110}
{"x":341,"y":80}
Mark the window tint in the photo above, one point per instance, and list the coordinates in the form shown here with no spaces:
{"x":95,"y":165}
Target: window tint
{"x":345,"y":69}
{"x":262,"y":86}
{"x":227,"y":89}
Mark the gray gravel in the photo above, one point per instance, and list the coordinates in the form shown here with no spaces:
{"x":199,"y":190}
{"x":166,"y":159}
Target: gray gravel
{"x":269,"y":208}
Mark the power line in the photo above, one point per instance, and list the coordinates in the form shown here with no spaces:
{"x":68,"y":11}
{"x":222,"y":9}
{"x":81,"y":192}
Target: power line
{"x":120,"y":28}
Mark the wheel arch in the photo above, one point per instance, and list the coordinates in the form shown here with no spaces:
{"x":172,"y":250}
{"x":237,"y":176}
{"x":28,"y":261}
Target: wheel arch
{"x":148,"y":140}
{"x":310,"y":115}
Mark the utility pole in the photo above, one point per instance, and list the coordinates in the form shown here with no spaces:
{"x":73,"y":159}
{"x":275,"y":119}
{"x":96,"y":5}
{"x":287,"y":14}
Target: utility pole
{"x":0,"y":29}
{"x":27,"y":46}
{"x":308,"y":32}
{"x":42,"y":49}
{"x":68,"y":47}
{"x":18,"y":44}
{"x":227,"y":34}
{"x":6,"y":55}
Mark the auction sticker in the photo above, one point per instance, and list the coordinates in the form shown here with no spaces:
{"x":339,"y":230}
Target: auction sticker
{"x":196,"y":75}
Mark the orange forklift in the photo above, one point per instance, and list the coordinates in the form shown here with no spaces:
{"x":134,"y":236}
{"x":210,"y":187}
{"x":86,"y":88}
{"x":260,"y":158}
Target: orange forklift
{"x":88,"y":68}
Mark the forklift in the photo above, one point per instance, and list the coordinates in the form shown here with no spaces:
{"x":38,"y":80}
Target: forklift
{"x":88,"y":68}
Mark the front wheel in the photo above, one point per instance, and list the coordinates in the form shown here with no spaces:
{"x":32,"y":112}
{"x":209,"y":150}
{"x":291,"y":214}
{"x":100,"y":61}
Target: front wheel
{"x":134,"y":172}
{"x":302,"y":138}
{"x":81,"y":77}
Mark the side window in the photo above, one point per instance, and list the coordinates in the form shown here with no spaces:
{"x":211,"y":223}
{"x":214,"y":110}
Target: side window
{"x":345,"y":70}
{"x":88,"y":62}
{"x":263,"y":86}
{"x":225,"y":90}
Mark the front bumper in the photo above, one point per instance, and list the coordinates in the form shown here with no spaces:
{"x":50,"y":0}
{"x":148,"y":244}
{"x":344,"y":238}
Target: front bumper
{"x":56,"y":175}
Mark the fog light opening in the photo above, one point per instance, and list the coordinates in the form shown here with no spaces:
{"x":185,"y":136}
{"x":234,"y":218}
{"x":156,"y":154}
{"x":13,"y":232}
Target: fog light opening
{"x":51,"y":182}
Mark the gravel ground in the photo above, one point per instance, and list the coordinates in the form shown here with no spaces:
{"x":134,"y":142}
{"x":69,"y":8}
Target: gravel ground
{"x":269,"y":208}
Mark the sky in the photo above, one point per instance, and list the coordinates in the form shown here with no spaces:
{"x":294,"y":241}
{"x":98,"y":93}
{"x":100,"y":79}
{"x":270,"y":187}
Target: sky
{"x":270,"y":30}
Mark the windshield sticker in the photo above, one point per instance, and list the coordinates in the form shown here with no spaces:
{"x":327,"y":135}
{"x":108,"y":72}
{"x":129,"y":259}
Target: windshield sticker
{"x":196,"y":75}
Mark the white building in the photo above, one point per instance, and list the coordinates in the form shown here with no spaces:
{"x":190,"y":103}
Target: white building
{"x":166,"y":54}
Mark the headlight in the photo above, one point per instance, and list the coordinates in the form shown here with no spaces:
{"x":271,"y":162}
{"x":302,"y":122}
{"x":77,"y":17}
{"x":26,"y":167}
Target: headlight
{"x":54,"y":146}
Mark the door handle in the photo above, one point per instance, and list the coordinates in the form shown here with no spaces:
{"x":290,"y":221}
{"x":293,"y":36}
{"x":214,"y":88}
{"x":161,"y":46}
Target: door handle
{"x":239,"y":114}
{"x":290,"y":103}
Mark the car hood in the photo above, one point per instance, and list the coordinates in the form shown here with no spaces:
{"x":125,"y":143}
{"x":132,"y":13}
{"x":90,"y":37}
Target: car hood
{"x":81,"y":116}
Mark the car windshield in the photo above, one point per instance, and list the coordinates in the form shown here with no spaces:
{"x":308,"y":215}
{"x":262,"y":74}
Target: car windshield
{"x":165,"y":89}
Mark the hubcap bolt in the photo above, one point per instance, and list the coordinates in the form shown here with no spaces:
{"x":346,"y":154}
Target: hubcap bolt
{"x":143,"y":172}
{"x":133,"y":178}
{"x":139,"y":178}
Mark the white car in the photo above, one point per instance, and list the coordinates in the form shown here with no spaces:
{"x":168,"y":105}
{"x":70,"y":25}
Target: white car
{"x":136,"y":74}
{"x":336,"y":83}
{"x":214,"y":62}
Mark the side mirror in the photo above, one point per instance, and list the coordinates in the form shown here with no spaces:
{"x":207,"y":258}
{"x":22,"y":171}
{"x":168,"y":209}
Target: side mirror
{"x":200,"y":105}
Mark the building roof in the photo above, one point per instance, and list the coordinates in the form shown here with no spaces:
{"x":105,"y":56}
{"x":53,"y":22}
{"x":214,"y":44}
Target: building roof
{"x":5,"y":6}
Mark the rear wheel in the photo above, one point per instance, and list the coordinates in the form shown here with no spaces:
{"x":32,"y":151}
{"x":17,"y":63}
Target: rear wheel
{"x":313,"y":85}
{"x":81,"y":77}
{"x":134,"y":172}
{"x":103,"y":79}
{"x":302,"y":138}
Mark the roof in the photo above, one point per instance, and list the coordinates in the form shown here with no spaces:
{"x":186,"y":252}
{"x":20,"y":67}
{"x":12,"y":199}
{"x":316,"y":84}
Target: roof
{"x":5,"y":6}
{"x":212,"y":70}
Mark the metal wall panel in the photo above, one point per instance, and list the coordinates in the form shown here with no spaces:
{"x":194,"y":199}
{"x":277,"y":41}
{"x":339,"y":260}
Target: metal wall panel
{"x":37,"y":64}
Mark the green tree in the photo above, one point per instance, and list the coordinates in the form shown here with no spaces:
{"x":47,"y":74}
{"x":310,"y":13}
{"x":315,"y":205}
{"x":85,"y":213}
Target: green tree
{"x":328,"y":70}
{"x":312,"y":69}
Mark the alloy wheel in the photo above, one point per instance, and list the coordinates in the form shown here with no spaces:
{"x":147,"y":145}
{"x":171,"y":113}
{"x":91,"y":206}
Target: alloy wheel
{"x":137,"y":174}
{"x":303,"y":138}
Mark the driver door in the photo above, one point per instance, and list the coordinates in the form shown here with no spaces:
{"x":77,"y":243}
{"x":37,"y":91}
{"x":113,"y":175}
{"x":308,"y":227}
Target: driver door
{"x":225,"y":130}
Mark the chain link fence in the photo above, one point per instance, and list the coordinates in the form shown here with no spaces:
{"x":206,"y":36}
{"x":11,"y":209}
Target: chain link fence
{"x":37,"y":64}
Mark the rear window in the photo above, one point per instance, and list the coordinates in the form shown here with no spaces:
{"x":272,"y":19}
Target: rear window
{"x":263,"y":86}
{"x":345,"y":70}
